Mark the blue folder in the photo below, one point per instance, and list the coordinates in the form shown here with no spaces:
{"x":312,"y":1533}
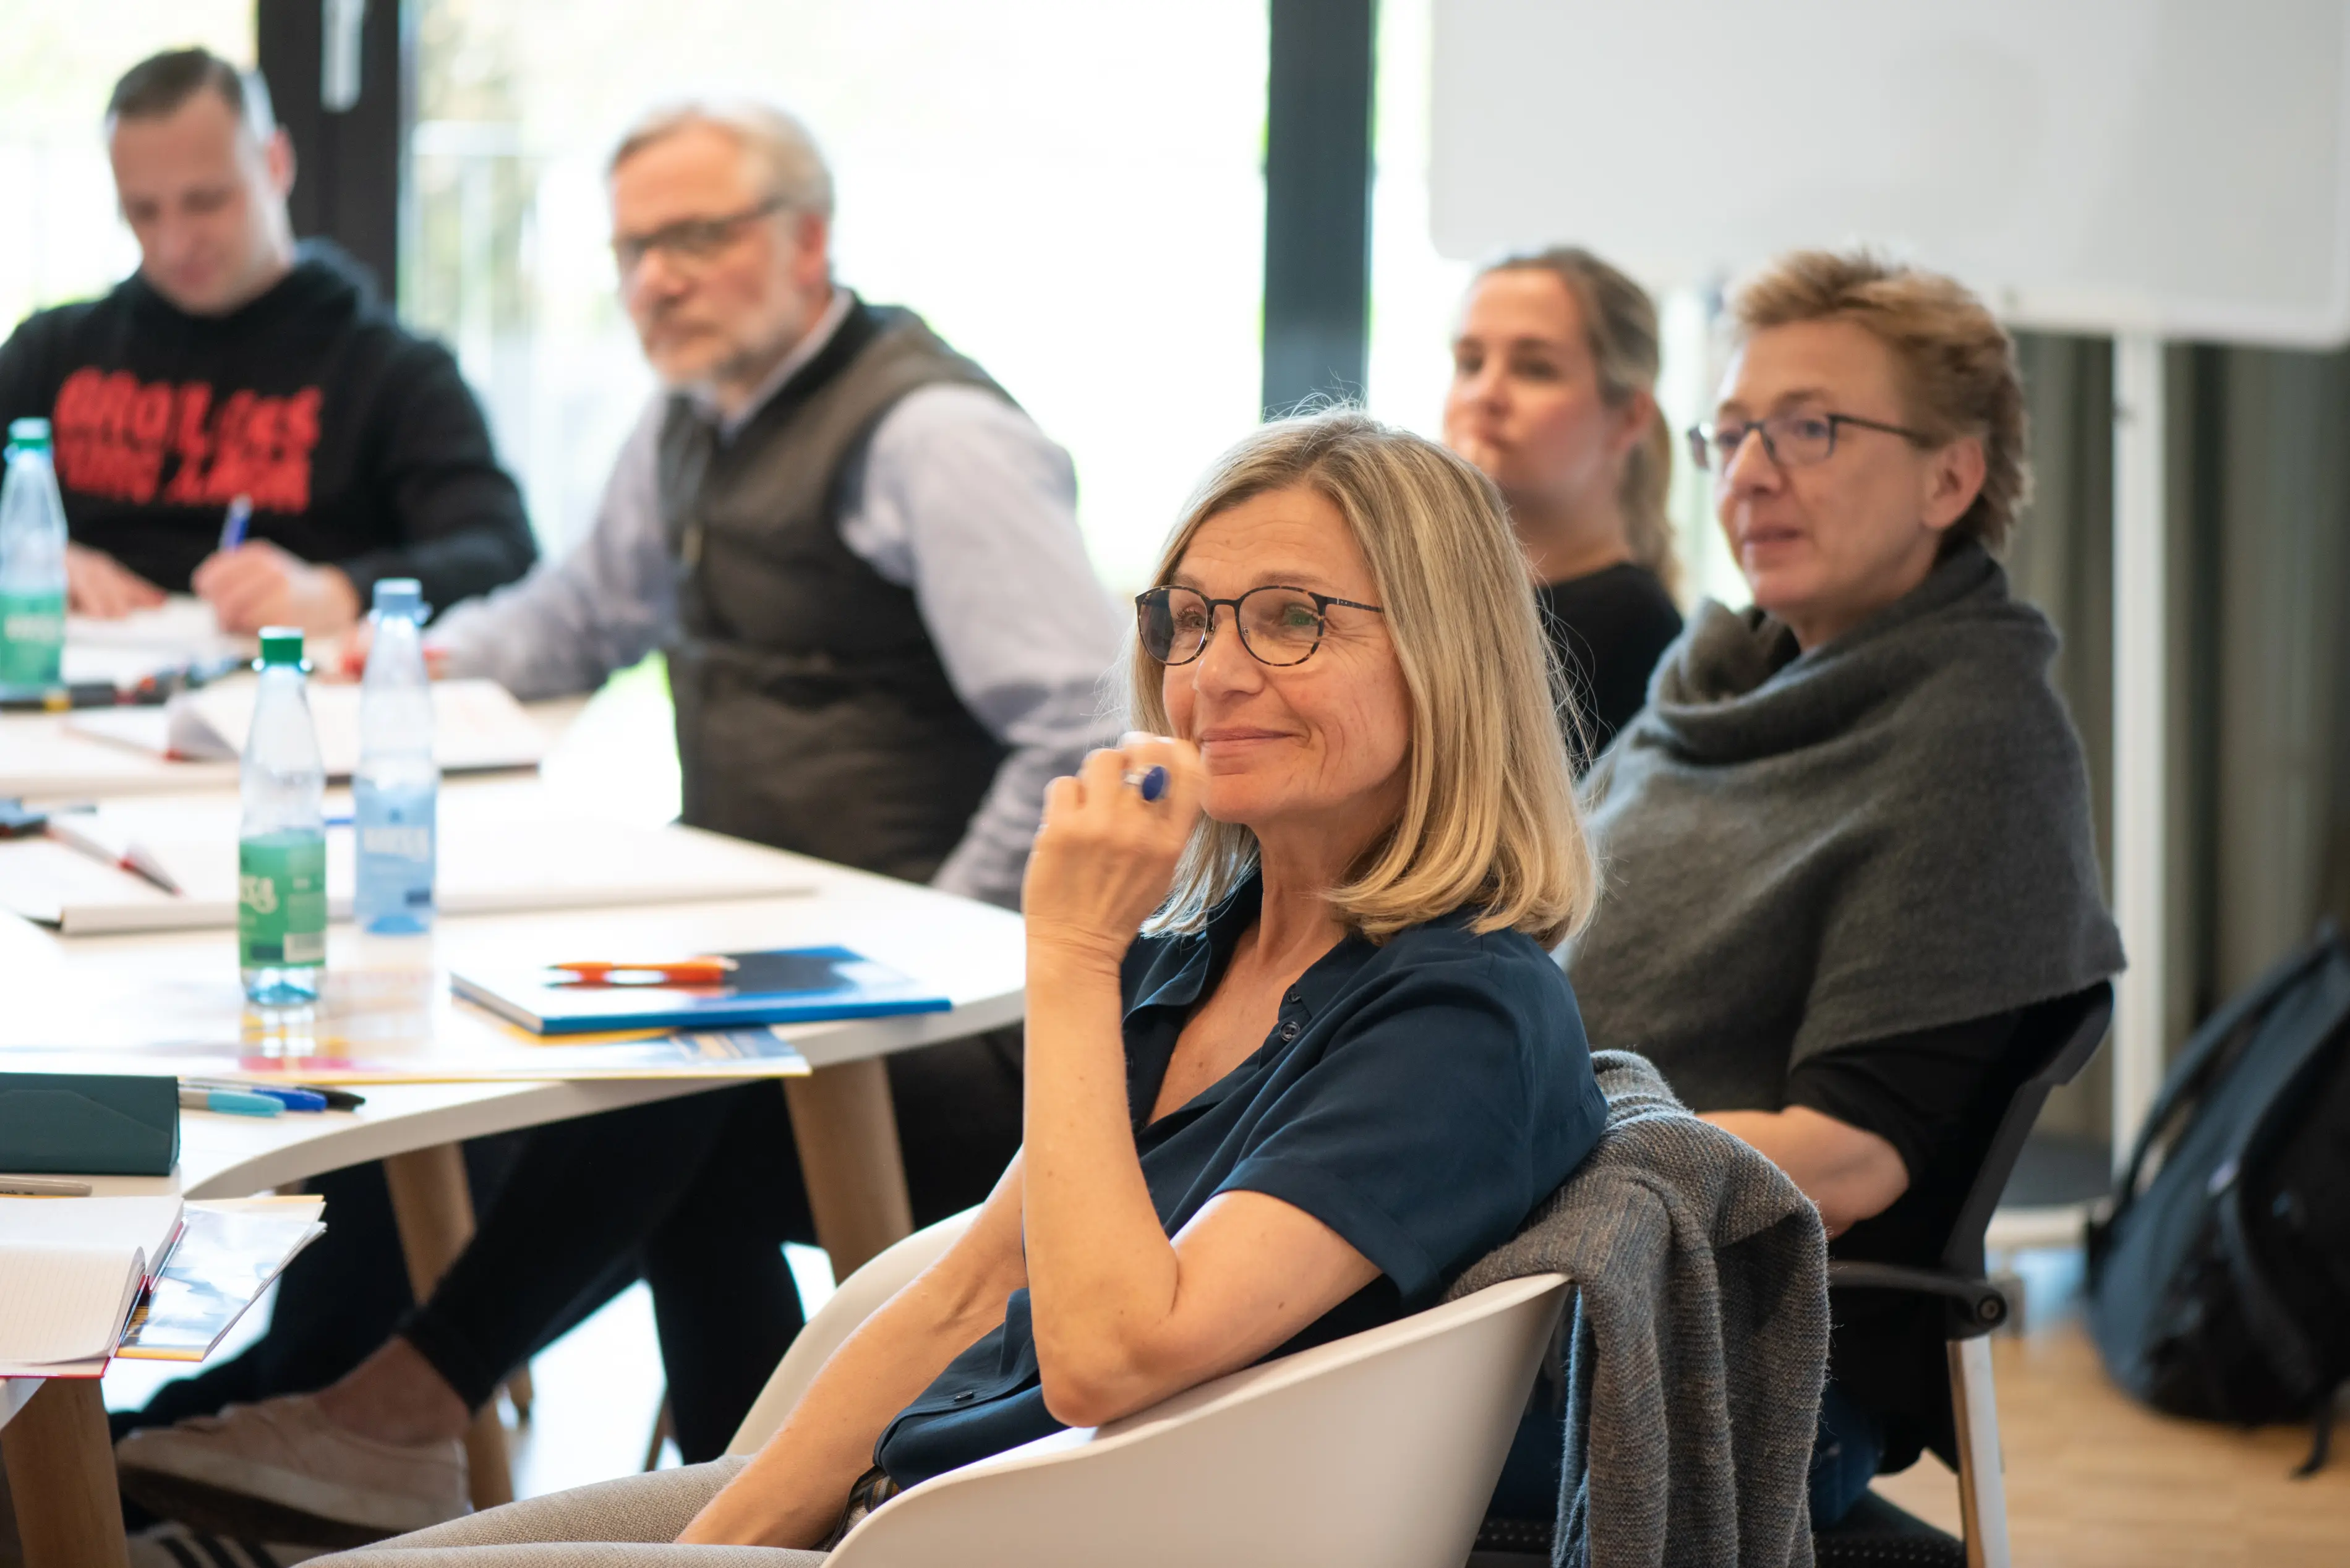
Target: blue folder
{"x":784,"y":985}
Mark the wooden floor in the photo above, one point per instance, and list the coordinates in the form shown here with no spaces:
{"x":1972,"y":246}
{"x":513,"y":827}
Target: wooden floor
{"x":2094,"y":1480}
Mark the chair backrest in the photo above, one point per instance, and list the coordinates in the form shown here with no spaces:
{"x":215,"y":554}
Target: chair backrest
{"x":2058,"y":1039}
{"x":883,"y":1276}
{"x":1378,"y":1450}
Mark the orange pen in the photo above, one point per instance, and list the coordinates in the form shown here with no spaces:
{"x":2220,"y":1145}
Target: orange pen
{"x":677,"y":972}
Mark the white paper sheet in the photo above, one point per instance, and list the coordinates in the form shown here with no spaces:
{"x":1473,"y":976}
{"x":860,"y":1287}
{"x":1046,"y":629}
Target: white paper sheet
{"x":69,"y":1269}
{"x":476,"y":725}
{"x":63,"y":1302}
{"x":503,"y":848}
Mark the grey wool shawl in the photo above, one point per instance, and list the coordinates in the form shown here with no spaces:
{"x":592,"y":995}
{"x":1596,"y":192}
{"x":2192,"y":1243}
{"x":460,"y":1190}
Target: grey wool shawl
{"x":1886,"y":833}
{"x":1698,"y":1343}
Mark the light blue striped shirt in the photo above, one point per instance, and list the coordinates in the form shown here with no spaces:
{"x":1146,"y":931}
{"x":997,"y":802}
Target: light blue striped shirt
{"x":959,"y":497}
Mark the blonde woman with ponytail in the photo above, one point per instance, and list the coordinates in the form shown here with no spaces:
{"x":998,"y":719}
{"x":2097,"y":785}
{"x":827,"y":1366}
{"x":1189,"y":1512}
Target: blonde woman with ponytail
{"x":1554,"y":396}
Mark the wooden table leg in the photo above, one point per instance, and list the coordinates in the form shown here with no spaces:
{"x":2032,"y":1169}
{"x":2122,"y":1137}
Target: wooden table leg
{"x":61,"y":1475}
{"x":856,"y":1175}
{"x":434,"y":1209}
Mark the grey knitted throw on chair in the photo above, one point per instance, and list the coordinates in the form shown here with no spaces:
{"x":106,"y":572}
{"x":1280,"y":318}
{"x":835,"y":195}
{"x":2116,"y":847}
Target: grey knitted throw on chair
{"x":1698,"y":1343}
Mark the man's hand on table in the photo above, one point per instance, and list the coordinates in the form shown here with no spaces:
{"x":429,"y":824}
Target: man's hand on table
{"x":99,"y":584}
{"x":258,"y":584}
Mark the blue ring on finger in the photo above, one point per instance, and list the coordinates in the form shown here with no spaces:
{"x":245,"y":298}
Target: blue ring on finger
{"x":1151,"y":782}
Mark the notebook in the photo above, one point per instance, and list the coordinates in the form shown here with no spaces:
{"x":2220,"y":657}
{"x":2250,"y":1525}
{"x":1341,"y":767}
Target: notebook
{"x":180,"y":634}
{"x":476,"y":725}
{"x":504,"y":846}
{"x":70,"y":1270}
{"x":784,"y":985}
{"x":41,"y":759}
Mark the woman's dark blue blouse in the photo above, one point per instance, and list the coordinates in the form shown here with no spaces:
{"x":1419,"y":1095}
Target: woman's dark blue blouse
{"x":1419,"y":1096}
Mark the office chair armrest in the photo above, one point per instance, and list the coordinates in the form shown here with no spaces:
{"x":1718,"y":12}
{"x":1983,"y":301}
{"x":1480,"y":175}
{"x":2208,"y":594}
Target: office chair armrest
{"x":1976,"y":1306}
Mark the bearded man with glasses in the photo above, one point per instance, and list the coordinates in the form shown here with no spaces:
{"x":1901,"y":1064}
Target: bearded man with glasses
{"x":831,"y":521}
{"x":884,"y":639}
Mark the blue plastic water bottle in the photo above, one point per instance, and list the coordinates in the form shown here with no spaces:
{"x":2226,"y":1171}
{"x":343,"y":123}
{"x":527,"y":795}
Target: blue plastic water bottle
{"x":281,"y":862}
{"x":395,"y":793}
{"x":32,"y":562}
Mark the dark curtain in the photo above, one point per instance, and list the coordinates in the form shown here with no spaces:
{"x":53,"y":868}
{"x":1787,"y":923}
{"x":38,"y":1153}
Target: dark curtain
{"x":2260,"y":668}
{"x":2061,"y":559}
{"x":2273,"y":523}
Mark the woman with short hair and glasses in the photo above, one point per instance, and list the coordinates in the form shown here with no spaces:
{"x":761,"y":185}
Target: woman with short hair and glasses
{"x":1298,"y":1051}
{"x":1847,"y":842}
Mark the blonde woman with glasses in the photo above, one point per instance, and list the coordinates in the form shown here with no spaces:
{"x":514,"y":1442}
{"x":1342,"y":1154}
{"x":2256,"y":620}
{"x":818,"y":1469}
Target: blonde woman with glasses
{"x":1297,"y":1051}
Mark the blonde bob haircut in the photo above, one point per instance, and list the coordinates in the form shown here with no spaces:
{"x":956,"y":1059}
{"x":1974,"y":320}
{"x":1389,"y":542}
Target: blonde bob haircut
{"x":1489,"y":818}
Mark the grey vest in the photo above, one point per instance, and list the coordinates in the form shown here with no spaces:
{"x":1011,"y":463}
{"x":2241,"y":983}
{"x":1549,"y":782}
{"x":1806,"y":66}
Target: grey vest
{"x":812,"y":710}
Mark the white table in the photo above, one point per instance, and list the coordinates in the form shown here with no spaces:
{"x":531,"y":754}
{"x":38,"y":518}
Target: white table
{"x":105,"y":996}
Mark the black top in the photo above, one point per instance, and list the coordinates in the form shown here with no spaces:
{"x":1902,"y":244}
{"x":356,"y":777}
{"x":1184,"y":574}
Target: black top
{"x":1610,"y":627}
{"x":1419,"y":1097}
{"x":1936,"y":1096}
{"x":358,"y":440}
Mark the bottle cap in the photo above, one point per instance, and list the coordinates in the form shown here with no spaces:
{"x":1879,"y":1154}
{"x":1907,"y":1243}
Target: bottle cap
{"x":400,"y":595}
{"x":282,"y":645}
{"x":33,"y":435}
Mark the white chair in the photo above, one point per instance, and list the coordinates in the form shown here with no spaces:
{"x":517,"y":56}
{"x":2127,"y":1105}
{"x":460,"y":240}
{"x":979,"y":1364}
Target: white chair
{"x":1378,"y":1450}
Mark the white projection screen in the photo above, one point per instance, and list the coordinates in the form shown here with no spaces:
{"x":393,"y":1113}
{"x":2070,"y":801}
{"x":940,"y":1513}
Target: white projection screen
{"x":2174,"y":167}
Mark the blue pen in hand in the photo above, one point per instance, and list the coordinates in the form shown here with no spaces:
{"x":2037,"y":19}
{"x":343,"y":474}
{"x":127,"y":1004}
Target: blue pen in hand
{"x":235,"y":1102}
{"x":233,"y":526}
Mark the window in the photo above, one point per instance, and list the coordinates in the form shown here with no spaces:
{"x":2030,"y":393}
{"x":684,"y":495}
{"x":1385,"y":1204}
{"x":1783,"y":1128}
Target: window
{"x":65,"y":241}
{"x":1415,"y":292}
{"x":1070,"y":193}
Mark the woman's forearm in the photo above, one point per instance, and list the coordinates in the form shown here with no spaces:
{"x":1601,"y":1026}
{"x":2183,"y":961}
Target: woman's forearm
{"x":1124,"y":1317}
{"x":1102,"y":1274}
{"x":793,"y":1490}
{"x":1849,"y":1174}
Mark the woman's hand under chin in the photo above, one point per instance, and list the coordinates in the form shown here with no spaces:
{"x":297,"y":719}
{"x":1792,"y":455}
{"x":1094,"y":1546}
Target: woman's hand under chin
{"x":1104,"y":856}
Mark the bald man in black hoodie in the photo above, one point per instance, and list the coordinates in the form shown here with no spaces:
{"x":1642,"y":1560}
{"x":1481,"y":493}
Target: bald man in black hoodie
{"x":236,"y":363}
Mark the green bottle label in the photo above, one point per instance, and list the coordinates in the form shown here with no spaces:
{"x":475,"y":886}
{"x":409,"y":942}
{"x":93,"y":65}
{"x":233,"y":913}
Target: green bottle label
{"x":32,"y":638}
{"x":281,"y":900}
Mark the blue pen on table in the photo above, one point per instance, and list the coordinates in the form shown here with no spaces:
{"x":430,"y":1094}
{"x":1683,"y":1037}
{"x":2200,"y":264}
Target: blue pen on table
{"x":235,"y":1102}
{"x":292,"y":1096}
{"x":233,"y":526}
{"x":335,"y":1099}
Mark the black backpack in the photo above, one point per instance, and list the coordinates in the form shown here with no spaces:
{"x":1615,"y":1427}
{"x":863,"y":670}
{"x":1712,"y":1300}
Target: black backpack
{"x":2219,"y":1286}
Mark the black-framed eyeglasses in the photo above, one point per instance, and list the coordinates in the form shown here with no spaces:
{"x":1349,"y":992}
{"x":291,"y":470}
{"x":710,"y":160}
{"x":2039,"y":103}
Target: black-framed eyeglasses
{"x":1791,"y":441}
{"x":1279,"y":624}
{"x":691,"y":240}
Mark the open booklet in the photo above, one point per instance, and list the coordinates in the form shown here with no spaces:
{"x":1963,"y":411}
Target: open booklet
{"x":83,"y":1279}
{"x":164,"y":863}
{"x":179,"y":637}
{"x":476,"y":725}
{"x":229,"y":1252}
